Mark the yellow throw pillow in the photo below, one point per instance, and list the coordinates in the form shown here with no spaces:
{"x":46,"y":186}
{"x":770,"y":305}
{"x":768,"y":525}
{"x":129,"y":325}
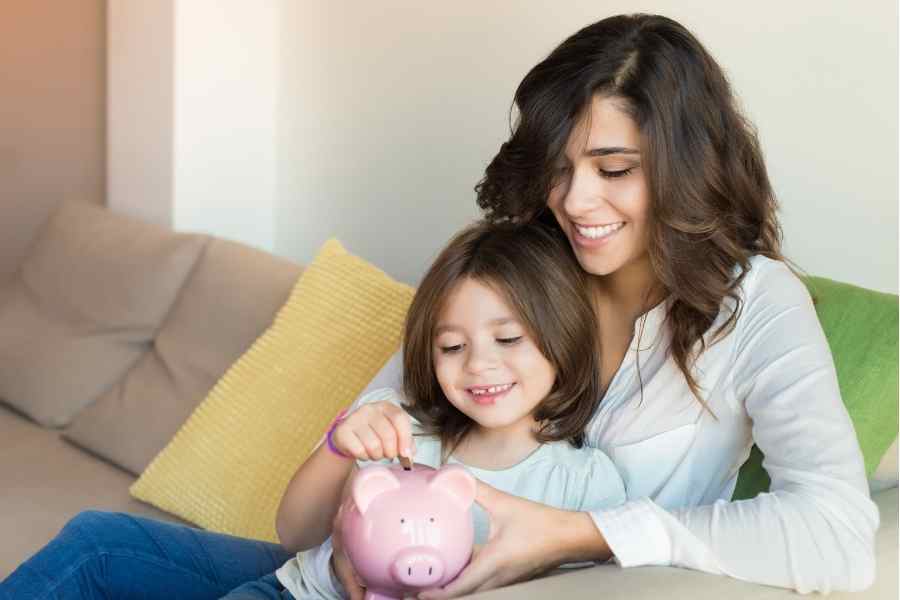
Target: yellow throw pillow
{"x":229,"y":464}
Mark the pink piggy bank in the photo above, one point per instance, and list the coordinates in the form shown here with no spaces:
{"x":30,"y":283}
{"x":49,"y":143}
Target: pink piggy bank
{"x":406,"y":531}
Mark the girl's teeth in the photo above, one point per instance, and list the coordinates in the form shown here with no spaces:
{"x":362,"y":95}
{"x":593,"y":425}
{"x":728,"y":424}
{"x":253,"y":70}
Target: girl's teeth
{"x":492,"y":390}
{"x":599,"y":232}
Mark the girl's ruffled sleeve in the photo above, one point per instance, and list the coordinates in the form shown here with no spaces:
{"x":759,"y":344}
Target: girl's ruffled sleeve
{"x":602,"y":486}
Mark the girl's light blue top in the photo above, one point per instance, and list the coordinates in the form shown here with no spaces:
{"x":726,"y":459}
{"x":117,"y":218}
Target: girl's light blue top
{"x":556,"y":474}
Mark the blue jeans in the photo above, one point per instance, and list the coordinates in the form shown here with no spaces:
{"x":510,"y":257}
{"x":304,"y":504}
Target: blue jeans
{"x":101,"y":555}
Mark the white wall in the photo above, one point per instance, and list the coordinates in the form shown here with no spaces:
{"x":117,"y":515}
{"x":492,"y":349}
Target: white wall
{"x":193,"y":94}
{"x":389,"y":112}
{"x":225,"y":99}
{"x":139,"y":109}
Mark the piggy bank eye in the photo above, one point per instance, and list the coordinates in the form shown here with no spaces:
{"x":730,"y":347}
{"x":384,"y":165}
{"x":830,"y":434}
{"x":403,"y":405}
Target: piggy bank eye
{"x":403,"y":520}
{"x":431,"y":519}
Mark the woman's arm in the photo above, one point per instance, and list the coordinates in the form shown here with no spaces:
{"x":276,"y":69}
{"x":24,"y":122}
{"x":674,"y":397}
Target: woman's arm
{"x":814,"y":530}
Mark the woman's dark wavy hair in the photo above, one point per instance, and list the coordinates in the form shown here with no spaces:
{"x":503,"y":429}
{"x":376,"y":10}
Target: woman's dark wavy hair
{"x":532,"y":267}
{"x":712,"y":206}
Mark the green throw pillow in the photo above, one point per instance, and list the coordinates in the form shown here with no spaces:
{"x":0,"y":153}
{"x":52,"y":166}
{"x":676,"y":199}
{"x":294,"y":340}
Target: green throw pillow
{"x":861,"y":327}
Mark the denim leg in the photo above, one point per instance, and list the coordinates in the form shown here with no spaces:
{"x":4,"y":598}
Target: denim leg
{"x":267,"y":588}
{"x":102,"y":556}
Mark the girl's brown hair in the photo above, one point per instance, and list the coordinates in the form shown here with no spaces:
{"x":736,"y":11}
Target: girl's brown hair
{"x":712,"y":206}
{"x":533,"y":269}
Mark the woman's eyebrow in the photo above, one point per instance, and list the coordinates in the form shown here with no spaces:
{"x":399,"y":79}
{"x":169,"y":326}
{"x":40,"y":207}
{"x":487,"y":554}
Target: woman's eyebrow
{"x":605,"y":151}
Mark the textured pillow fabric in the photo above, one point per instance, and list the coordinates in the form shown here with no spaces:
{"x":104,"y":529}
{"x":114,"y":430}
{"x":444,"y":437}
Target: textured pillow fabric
{"x":861,"y":327}
{"x":228,"y":466}
{"x":231,"y":296}
{"x":84,"y":306}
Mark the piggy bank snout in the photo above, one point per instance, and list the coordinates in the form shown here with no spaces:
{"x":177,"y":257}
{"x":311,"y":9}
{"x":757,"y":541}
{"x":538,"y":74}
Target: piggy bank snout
{"x":418,"y":567}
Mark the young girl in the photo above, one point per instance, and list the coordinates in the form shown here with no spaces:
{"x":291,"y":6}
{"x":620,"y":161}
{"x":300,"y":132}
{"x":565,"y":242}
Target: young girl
{"x":500,"y":360}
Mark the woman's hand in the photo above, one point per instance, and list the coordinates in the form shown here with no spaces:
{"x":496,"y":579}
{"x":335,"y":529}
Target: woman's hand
{"x":341,"y":565}
{"x":375,"y":431}
{"x":526,"y":539}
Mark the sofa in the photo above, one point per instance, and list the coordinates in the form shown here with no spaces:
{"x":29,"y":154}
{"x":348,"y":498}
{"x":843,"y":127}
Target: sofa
{"x":112,"y":331}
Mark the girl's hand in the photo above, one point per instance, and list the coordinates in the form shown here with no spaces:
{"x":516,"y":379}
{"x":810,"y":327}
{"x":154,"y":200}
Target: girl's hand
{"x":341,"y":565}
{"x":526,"y":539}
{"x":375,"y":431}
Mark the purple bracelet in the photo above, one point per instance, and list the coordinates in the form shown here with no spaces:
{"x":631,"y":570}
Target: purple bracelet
{"x":331,"y":428}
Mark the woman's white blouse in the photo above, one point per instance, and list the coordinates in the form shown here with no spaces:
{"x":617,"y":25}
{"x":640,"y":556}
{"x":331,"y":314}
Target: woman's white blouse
{"x":771,"y":380}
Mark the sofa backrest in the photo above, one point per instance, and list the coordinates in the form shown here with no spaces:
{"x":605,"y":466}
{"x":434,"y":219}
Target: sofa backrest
{"x":117,"y":328}
{"x":21,"y":221}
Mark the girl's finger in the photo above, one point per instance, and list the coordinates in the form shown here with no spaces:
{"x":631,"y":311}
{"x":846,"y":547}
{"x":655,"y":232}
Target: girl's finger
{"x":371,"y":441}
{"x":350,"y":444}
{"x":402,"y":424}
{"x":384,"y":428}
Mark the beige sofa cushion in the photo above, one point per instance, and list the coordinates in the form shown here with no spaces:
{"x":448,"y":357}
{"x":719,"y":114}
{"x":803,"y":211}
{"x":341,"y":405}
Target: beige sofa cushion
{"x":22,"y":220}
{"x":46,"y":482}
{"x":229,"y":299}
{"x":84,"y":306}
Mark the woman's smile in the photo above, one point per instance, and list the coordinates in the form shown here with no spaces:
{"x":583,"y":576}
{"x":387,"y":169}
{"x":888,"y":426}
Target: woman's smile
{"x":595,"y":236}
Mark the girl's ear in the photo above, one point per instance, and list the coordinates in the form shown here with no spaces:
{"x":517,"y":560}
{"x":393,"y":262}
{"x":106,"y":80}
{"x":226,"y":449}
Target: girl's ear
{"x":456,"y":482}
{"x":371,"y":482}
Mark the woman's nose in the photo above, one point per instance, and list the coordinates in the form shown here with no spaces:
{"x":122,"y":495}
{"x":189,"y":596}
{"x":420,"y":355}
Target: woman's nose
{"x":583,"y":195}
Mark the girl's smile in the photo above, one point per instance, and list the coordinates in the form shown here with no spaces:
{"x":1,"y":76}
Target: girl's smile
{"x":489,"y":394}
{"x":486,"y":362}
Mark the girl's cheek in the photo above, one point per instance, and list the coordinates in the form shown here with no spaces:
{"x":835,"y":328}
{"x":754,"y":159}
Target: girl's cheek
{"x":440,"y":372}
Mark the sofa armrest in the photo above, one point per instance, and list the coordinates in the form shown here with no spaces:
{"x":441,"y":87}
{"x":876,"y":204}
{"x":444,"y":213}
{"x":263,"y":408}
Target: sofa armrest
{"x":609,"y":582}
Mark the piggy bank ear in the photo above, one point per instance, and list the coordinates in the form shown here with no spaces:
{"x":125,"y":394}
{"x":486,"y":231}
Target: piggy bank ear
{"x":457,"y":483}
{"x":369,"y":483}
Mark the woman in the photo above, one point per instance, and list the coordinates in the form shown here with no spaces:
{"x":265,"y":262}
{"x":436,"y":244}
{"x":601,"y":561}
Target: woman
{"x":628,"y":140}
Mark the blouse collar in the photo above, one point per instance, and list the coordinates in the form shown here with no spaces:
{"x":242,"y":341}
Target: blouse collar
{"x":649,"y":326}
